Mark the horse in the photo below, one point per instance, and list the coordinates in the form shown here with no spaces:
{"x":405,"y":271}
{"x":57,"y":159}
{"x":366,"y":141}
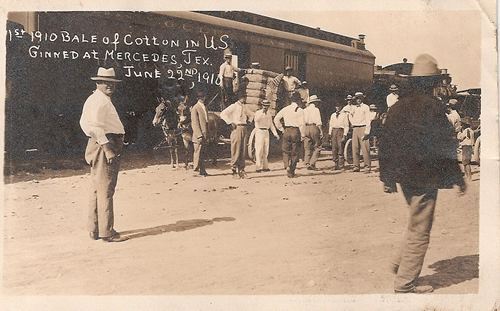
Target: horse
{"x":181,"y":127}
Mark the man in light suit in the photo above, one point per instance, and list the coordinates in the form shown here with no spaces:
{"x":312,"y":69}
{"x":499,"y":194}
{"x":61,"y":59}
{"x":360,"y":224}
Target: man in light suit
{"x":199,"y":123}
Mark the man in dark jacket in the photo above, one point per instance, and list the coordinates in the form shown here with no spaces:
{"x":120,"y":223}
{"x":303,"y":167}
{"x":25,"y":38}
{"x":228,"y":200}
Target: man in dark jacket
{"x":418,"y":150}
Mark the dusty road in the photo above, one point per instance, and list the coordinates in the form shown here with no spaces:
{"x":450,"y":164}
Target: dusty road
{"x":321,"y":233}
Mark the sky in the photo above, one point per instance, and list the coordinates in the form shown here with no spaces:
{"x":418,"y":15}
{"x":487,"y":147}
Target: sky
{"x":452,"y":37}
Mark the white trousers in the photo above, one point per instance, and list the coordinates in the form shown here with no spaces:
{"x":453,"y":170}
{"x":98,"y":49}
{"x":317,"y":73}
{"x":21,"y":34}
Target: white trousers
{"x":261,"y":148}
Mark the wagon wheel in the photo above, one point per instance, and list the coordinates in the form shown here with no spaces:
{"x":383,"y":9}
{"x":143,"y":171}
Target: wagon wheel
{"x":251,"y":146}
{"x":348,"y":151}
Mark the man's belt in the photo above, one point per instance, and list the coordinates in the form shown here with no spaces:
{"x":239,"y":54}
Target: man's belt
{"x":243,"y":124}
{"x":291,"y":127}
{"x":263,"y":128}
{"x":358,"y":126}
{"x":113,"y":135}
{"x":311,"y":124}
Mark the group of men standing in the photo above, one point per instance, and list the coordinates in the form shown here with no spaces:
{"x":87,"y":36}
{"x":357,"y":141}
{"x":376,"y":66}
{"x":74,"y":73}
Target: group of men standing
{"x":417,"y":150}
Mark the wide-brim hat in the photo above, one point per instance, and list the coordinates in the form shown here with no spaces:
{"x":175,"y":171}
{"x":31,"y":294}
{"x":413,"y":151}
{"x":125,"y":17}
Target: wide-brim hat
{"x":266,"y":103}
{"x":288,"y":68}
{"x":452,"y":101}
{"x":394,"y":87}
{"x":104,"y":74}
{"x":228,"y":55}
{"x":303,"y":82}
{"x":313,"y":99}
{"x":349,"y":97}
{"x":359,"y":95}
{"x":373,"y":106}
{"x":425,"y":66}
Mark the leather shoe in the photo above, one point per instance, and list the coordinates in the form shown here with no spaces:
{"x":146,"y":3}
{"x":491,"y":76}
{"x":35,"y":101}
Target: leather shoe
{"x":266,"y":170}
{"x":115,"y":238}
{"x":421,"y":289}
{"x":94,"y":235}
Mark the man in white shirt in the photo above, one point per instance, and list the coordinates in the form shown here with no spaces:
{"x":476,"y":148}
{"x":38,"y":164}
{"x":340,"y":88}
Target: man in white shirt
{"x":100,"y":122}
{"x":263,"y":123}
{"x":453,"y":115}
{"x":360,"y":119}
{"x":313,"y":132}
{"x":338,"y":130}
{"x":293,"y":132}
{"x":348,"y":105}
{"x":291,"y":82}
{"x":226,"y":76}
{"x":236,"y":116}
{"x":393,"y":96}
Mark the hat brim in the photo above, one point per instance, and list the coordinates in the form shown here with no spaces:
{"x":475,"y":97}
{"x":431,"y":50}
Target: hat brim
{"x":314,"y":101}
{"x":105,"y":79}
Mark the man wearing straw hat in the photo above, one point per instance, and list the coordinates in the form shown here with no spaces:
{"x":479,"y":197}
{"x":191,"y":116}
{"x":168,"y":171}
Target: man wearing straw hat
{"x":360,"y":119}
{"x":313,"y":132}
{"x":293,"y":132}
{"x":417,"y":149}
{"x":226,"y":76}
{"x":393,"y":96}
{"x":263,"y":123}
{"x":236,"y":116}
{"x":103,"y":127}
{"x":291,"y":82}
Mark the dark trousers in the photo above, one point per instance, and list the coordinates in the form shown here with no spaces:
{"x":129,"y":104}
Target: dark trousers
{"x":227,"y":88}
{"x":104,"y":177}
{"x":408,"y":262}
{"x":337,"y":148}
{"x":238,"y":147}
{"x":312,"y":144}
{"x":291,"y":147}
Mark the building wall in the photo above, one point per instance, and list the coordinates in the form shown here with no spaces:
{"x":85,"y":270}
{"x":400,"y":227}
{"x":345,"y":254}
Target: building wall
{"x":270,"y":58}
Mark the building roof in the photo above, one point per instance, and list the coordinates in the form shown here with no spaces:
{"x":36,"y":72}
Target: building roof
{"x":277,"y":24}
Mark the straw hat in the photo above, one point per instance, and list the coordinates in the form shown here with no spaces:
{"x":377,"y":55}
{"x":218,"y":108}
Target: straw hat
{"x":394,"y":87}
{"x":104,"y":74}
{"x":349,"y":97}
{"x":313,"y":99}
{"x":359,"y":95}
{"x":425,"y":66}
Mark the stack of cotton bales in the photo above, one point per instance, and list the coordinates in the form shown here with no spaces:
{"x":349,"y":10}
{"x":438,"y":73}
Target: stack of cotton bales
{"x":259,"y":85}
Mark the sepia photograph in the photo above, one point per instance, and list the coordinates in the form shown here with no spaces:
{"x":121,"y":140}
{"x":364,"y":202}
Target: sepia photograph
{"x":262,"y":157}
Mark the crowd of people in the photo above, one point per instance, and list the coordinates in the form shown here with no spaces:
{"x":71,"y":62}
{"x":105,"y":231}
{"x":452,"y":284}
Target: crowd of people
{"x":417,"y":149}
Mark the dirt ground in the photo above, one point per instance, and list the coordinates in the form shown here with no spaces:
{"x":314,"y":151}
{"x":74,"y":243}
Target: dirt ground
{"x":324,"y":232}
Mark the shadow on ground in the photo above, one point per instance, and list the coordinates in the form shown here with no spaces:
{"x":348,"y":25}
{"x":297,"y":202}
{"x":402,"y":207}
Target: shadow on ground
{"x":181,"y":225}
{"x":452,"y":271}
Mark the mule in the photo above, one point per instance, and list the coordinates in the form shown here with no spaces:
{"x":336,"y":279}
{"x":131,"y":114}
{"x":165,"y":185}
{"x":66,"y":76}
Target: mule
{"x":166,"y":116}
{"x":176,"y":123}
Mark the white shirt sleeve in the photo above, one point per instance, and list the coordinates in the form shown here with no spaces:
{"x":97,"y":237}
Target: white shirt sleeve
{"x":227,"y":114}
{"x":277,"y":120}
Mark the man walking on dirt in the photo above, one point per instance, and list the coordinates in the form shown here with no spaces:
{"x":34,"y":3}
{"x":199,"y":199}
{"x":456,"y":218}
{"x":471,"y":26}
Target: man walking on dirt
{"x":103,"y":127}
{"x":236,"y":116}
{"x":417,"y":149}
{"x":313,"y":132}
{"x":199,"y":124}
{"x":293,"y":132}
